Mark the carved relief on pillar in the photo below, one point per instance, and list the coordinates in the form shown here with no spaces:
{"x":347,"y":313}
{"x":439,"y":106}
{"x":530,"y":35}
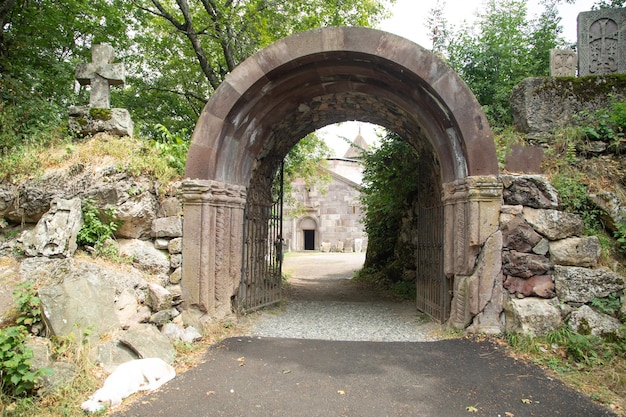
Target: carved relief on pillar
{"x":212,"y":234}
{"x":472,"y":210}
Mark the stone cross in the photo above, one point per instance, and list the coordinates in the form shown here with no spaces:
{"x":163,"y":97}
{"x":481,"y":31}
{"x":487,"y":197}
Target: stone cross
{"x":101,"y":73}
{"x":562,"y":63}
{"x":602,"y":42}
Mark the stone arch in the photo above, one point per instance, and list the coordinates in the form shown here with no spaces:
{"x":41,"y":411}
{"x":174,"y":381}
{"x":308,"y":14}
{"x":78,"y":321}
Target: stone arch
{"x":310,"y":80}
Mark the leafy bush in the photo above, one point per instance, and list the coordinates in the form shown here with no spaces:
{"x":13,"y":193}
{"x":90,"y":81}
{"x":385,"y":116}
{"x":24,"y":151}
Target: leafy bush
{"x":99,"y":226}
{"x":15,"y":360}
{"x":574,"y":198}
{"x":620,"y":237}
{"x":606,"y":124}
{"x":389,"y":189}
{"x":173,"y":147}
{"x":608,"y":305}
{"x":28,"y":304}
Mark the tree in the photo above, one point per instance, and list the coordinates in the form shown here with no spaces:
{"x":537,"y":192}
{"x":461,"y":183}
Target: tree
{"x":389,"y":189}
{"x":437,"y":27}
{"x":609,"y":4}
{"x":502,"y":48}
{"x":40,"y":43}
{"x":187,"y":47}
{"x":305,"y":160}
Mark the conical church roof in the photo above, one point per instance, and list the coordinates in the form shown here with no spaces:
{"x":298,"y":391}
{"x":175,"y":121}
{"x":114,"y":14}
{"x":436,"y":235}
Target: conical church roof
{"x":357,"y":147}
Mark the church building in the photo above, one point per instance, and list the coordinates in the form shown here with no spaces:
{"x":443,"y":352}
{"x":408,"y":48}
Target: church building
{"x":330,"y":221}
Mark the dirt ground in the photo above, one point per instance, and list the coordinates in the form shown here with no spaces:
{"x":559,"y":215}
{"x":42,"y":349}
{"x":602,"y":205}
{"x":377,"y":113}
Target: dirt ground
{"x":317,"y":276}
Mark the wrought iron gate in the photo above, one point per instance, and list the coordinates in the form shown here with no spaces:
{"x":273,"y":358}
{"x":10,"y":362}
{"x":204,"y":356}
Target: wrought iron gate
{"x":433,"y":288}
{"x":263,"y":250}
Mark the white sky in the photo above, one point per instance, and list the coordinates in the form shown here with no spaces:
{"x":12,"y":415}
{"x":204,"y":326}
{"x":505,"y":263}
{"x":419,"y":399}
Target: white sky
{"x":408,"y":20}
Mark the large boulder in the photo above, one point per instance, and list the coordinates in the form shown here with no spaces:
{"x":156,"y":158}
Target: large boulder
{"x":79,"y":305}
{"x":80,"y":297}
{"x":586,"y":320}
{"x":148,"y":342}
{"x":541,"y":104}
{"x":581,"y":285}
{"x":576,"y":251}
{"x":56,"y":231}
{"x":519,"y":235}
{"x":524,"y":265}
{"x":530,"y":191}
{"x":554,"y":224}
{"x":532,"y":316}
{"x":145,"y":256}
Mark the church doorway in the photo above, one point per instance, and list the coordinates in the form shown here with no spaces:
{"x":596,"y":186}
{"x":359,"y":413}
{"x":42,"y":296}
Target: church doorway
{"x":309,"y":239}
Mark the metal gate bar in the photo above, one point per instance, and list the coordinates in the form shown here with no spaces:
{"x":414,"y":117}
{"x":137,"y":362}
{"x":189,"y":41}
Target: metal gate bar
{"x":261,"y":273}
{"x":433,"y":288}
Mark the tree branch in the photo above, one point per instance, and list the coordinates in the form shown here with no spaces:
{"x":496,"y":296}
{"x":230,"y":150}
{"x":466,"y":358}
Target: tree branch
{"x":185,"y":94}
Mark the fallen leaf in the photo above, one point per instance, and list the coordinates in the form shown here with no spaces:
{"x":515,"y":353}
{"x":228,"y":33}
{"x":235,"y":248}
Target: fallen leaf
{"x":508,"y":414}
{"x":341,"y":392}
{"x":471,"y":409}
{"x":526,"y":401}
{"x":210,"y":393}
{"x":286,"y":371}
{"x":241,"y":359}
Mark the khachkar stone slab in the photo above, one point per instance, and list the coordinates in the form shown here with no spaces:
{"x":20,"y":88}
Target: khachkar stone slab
{"x":562,"y":63}
{"x":98,"y":116}
{"x":602,"y":42}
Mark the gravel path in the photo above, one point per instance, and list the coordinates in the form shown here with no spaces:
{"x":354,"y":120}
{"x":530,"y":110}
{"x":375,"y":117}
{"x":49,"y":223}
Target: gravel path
{"x":324,"y":303}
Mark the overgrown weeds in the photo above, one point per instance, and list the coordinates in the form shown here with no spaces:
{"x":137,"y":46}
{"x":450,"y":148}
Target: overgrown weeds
{"x":164,"y":161}
{"x":592,"y":364}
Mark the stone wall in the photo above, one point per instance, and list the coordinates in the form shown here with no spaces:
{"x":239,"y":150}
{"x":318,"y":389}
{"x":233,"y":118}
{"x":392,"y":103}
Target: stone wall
{"x":550,"y":269}
{"x":530,"y":273}
{"x":335,"y":215}
{"x":129,"y":310}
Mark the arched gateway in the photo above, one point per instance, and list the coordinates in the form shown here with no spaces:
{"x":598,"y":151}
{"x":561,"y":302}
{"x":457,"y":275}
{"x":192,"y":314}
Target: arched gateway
{"x":313,"y":79}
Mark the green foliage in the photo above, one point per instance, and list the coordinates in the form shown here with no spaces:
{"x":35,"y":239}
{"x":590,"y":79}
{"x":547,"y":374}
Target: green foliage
{"x":574,"y":198}
{"x":585,"y":350}
{"x":389,"y":189}
{"x":16,"y":376}
{"x":99,"y":226}
{"x":605,"y":124}
{"x":27,"y":303}
{"x":620,"y":237}
{"x":608,"y":305}
{"x":40,"y":44}
{"x":304,"y":161}
{"x":185,"y":49}
{"x":173,"y":147}
{"x":503,"y":47}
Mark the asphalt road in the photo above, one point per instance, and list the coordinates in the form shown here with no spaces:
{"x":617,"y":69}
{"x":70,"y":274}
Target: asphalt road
{"x":293,"y":377}
{"x":251,"y":376}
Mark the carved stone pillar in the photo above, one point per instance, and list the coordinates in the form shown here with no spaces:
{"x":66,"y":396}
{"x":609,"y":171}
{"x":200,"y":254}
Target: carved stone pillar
{"x":471,"y":216}
{"x":212,"y":243}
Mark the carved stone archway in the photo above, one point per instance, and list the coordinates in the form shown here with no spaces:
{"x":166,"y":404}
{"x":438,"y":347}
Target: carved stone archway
{"x":313,"y":79}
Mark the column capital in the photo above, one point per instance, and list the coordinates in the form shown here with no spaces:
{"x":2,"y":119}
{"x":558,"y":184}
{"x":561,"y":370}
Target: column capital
{"x":213,"y":193}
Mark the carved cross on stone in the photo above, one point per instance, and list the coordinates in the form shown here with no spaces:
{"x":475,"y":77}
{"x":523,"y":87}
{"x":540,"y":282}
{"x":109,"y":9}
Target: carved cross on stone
{"x":101,"y":74}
